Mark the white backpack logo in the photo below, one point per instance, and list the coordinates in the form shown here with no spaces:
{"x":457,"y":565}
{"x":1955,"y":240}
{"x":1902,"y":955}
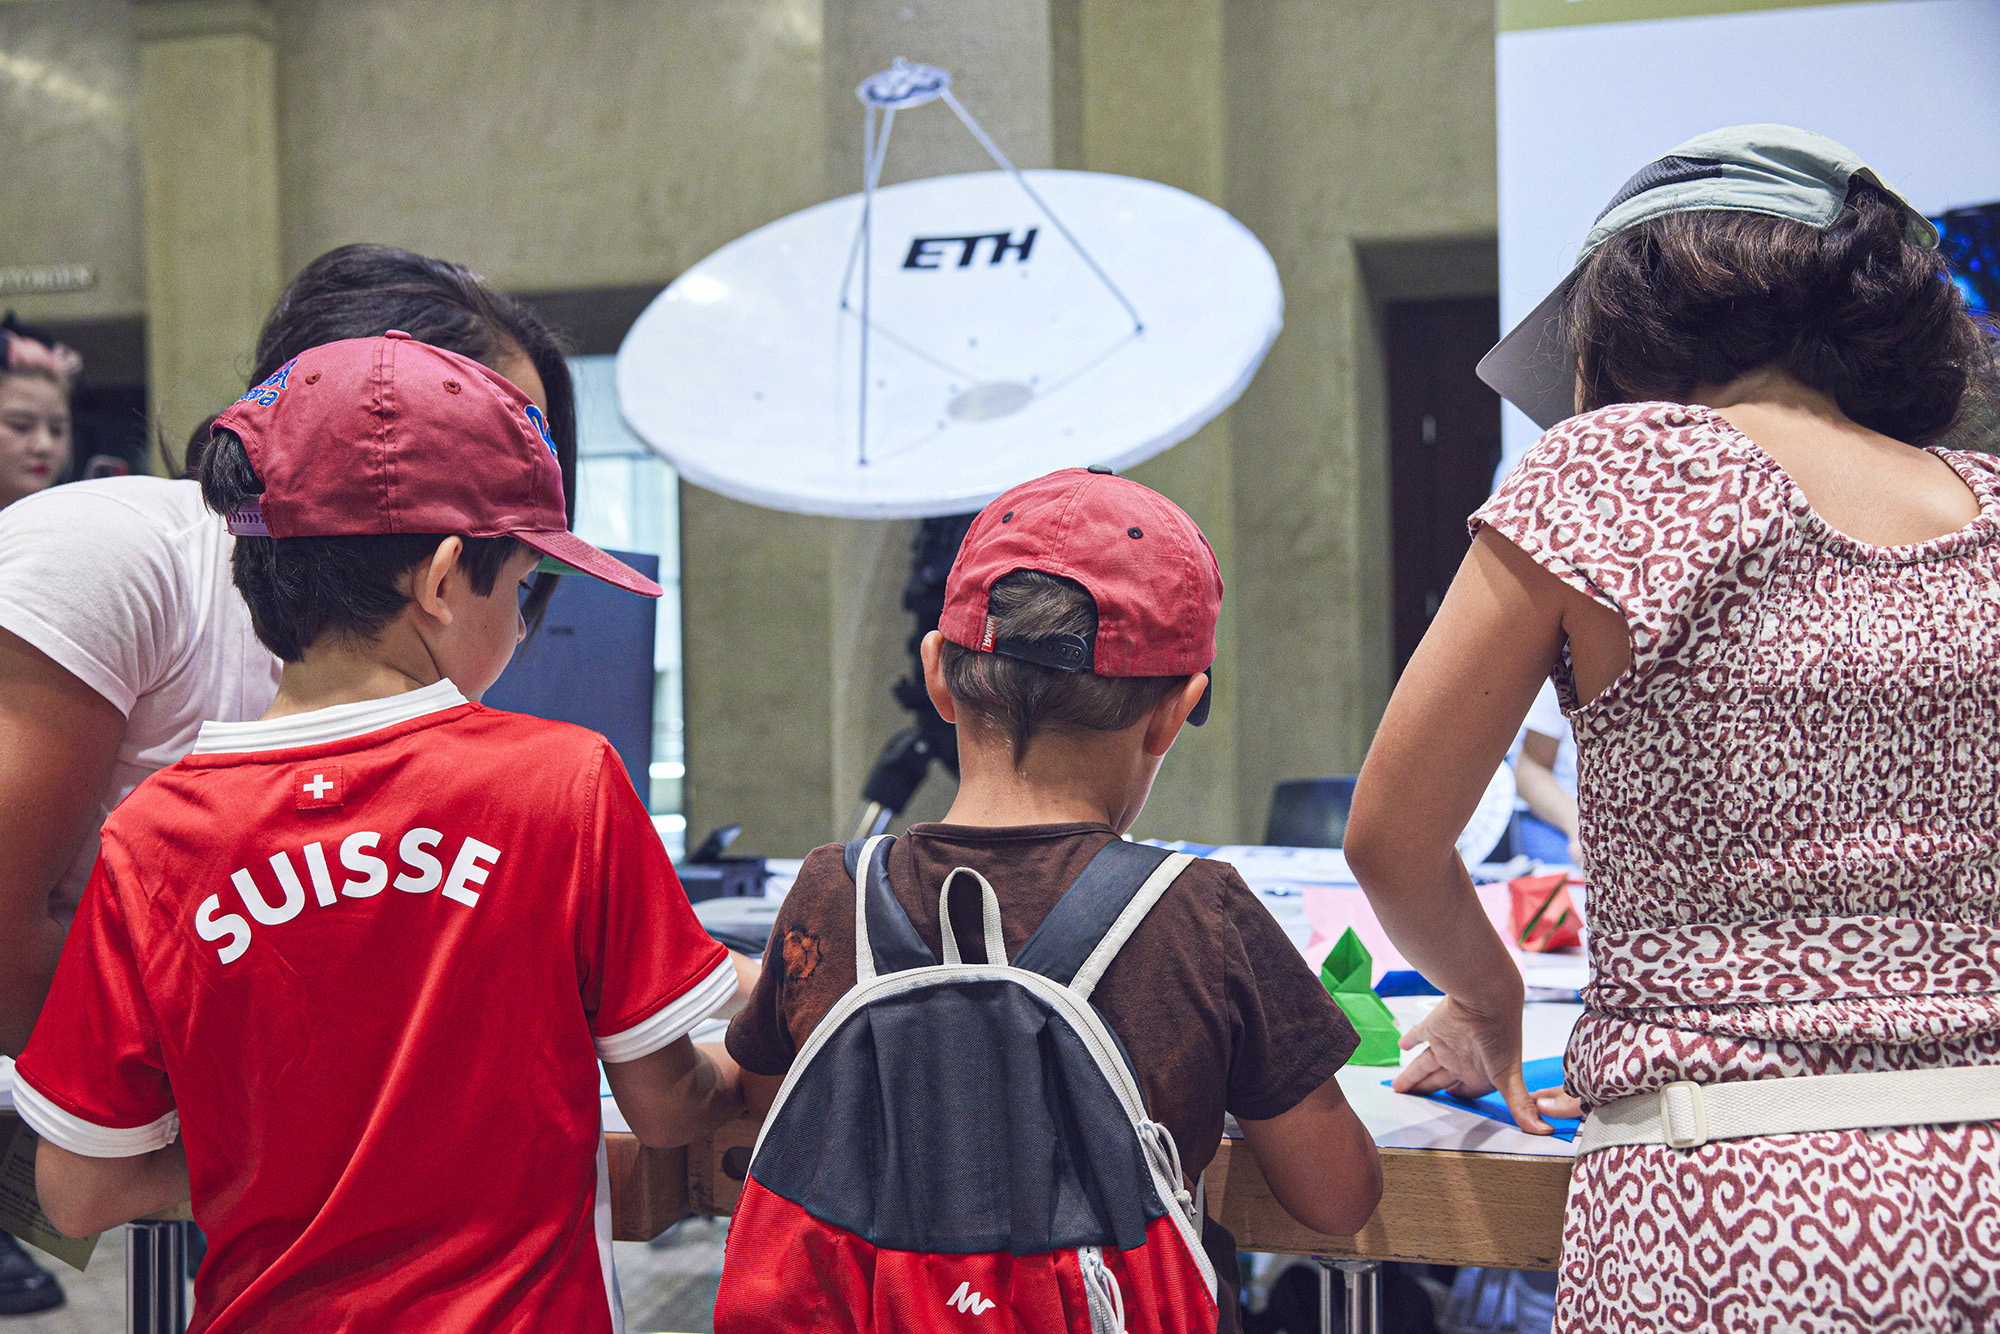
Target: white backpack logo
{"x":967,"y":1301}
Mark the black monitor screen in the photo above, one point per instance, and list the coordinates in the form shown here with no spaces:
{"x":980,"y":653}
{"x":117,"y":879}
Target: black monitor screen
{"x":1971,"y":242}
{"x":591,"y":663}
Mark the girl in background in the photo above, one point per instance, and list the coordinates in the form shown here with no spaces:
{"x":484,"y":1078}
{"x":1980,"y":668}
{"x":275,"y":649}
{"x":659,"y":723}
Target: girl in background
{"x":35,"y":378}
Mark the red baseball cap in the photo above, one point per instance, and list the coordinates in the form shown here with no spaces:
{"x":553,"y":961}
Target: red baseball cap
{"x":389,"y":435}
{"x":1155,"y":581}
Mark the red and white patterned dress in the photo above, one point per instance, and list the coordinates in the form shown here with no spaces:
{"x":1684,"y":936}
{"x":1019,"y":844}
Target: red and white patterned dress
{"x":1790,"y":811}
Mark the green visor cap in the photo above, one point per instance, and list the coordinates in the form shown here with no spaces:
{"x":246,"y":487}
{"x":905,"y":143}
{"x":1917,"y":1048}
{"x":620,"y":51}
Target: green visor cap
{"x":550,"y":565}
{"x":1774,"y":169}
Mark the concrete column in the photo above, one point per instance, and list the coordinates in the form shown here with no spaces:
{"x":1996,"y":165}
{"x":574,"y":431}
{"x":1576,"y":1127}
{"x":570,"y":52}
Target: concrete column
{"x":208,"y":151}
{"x":1001,"y":60}
{"x":1148,"y":102}
{"x":754,"y":647}
{"x":1349,"y":125}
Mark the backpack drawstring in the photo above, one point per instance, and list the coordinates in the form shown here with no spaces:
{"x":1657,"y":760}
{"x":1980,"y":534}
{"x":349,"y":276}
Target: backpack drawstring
{"x":1100,"y":1286}
{"x":1167,"y":1157}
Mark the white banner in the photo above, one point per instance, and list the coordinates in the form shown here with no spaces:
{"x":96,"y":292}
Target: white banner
{"x":1913,"y":86}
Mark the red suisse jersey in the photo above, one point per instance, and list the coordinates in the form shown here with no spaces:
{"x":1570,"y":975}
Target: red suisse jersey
{"x":365,"y":960}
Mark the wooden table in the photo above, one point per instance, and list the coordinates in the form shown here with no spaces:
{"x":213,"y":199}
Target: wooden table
{"x":1438,"y":1206}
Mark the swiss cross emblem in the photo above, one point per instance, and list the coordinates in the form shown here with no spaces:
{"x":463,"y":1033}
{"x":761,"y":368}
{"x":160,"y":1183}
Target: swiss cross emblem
{"x":318,"y":786}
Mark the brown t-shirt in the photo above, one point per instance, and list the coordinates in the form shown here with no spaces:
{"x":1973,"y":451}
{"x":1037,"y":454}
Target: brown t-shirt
{"x":1212,"y":1000}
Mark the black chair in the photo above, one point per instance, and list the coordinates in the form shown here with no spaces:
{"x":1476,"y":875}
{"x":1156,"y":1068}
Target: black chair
{"x":1309,"y":813}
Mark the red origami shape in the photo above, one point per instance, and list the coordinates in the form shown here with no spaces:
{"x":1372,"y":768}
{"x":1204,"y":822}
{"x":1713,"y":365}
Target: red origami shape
{"x":1543,"y":917}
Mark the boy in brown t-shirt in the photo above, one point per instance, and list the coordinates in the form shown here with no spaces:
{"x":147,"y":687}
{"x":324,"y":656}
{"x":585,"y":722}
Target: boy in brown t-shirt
{"x":1078,"y":627}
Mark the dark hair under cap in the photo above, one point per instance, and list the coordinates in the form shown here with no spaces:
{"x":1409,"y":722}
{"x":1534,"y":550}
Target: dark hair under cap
{"x":1021,"y":698}
{"x":299,"y":589}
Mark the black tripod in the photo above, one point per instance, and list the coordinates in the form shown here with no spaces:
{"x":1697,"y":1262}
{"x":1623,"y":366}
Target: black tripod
{"x":905,"y":761}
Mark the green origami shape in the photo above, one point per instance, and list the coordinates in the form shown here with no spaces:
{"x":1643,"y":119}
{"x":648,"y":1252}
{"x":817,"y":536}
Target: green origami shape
{"x":1348,"y":976}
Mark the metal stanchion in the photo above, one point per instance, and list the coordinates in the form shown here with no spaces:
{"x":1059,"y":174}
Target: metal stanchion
{"x":1364,"y":1294}
{"x":155,"y":1277}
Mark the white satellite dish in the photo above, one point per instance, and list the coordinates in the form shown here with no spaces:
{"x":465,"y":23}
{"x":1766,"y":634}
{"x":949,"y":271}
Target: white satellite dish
{"x":1015,"y":323}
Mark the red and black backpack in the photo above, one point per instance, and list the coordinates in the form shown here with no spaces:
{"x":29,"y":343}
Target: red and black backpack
{"x":964,"y":1146}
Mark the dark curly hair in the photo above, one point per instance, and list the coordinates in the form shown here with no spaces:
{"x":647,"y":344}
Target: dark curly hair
{"x":1853,"y":310}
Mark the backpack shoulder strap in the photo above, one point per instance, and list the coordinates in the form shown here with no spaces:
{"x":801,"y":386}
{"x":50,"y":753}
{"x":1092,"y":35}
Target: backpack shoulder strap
{"x":885,"y":940}
{"x":1094,"y":918}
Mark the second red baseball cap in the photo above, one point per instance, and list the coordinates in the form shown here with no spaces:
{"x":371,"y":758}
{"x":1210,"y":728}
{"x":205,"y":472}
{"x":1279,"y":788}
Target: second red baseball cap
{"x":1156,"y":583}
{"x":389,"y":435}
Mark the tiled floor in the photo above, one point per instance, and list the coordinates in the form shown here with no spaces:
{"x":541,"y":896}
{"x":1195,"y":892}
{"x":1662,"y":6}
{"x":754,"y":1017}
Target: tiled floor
{"x":669,"y":1285}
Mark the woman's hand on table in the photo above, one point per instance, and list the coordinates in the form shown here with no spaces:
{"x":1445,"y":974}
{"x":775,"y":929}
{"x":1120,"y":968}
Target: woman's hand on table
{"x":1470,"y":1054}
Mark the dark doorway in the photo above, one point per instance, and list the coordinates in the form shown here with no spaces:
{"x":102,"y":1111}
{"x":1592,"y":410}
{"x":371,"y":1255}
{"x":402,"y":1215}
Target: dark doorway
{"x":1444,"y":442}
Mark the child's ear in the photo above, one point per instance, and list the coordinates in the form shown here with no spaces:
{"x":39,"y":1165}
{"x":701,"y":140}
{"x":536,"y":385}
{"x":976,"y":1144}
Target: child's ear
{"x":429,"y":581}
{"x":1171,"y":713}
{"x":932,"y":651}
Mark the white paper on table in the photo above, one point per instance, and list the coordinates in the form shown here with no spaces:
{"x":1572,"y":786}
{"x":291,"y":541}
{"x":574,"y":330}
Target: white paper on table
{"x":1560,"y":972}
{"x":1260,"y":866}
{"x":1406,"y":1121}
{"x":739,"y":915}
{"x":779,"y":875}
{"x":1315,"y":897}
{"x":6,"y":1083}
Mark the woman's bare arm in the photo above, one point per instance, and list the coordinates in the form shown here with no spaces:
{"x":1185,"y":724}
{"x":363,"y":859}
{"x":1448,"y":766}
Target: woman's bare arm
{"x":58,"y":742}
{"x":1446,"y":730}
{"x":1535,"y":778}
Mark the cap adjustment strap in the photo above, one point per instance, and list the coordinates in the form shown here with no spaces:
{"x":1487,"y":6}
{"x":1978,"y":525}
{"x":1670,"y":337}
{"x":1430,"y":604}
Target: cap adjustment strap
{"x":247,"y":520}
{"x":1065,"y":653}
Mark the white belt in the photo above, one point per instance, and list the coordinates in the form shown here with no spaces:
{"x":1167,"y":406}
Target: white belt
{"x":1686,"y":1115}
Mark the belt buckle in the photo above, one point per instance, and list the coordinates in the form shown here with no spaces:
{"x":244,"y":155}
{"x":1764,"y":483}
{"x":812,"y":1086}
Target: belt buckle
{"x":1697,"y":1113}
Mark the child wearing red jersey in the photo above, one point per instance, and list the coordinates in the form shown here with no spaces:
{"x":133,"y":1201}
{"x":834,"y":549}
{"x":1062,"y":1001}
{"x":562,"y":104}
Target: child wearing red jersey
{"x":344,"y":974}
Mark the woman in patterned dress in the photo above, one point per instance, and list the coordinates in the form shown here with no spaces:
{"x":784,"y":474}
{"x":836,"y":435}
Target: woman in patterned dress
{"x":1773,"y":615}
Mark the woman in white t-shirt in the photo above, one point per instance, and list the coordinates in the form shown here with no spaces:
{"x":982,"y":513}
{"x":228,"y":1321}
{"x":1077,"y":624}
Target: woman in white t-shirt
{"x":1544,"y":758}
{"x":121,"y":632}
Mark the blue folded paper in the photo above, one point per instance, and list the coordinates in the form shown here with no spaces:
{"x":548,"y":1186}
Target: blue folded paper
{"x":1404,"y":982}
{"x":1543,"y":1074}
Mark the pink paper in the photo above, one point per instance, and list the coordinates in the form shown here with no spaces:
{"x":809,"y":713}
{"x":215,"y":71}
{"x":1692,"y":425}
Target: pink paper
{"x":1334,"y":909}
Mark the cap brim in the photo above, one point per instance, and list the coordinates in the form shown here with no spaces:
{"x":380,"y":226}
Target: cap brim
{"x":1534,"y":367}
{"x":579,"y":555}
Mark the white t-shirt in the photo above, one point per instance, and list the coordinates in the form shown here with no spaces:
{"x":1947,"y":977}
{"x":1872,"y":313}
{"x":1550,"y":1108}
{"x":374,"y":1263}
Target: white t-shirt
{"x":125,"y":582}
{"x":1545,"y":716}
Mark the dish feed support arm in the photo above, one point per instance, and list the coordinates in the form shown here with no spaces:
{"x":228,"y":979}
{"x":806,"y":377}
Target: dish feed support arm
{"x":906,"y":85}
